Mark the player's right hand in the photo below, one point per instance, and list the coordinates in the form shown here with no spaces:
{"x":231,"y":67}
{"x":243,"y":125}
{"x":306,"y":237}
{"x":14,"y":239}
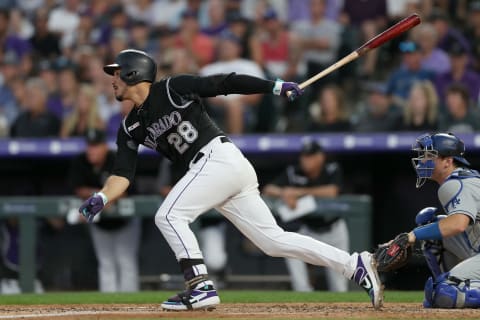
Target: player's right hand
{"x":291,"y":90}
{"x":93,"y":205}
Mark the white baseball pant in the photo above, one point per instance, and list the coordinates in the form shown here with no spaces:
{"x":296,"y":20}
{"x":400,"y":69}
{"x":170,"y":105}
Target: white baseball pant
{"x":224,"y":179}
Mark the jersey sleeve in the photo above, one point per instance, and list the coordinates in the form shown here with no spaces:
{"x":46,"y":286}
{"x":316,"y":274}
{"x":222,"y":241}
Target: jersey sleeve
{"x":126,"y":157}
{"x":219,"y":84}
{"x":335,"y":174}
{"x":456,"y":197}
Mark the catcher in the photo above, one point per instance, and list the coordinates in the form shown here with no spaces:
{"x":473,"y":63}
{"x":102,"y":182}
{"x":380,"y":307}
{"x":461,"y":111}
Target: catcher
{"x":450,"y":243}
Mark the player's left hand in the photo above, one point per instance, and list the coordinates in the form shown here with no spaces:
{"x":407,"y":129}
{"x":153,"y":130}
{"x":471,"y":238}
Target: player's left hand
{"x":291,"y":90}
{"x":92,"y":206}
{"x":394,"y":254}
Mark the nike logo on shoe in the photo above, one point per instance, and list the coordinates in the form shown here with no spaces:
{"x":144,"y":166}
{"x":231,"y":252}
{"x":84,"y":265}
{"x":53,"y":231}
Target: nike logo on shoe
{"x":197,"y":298}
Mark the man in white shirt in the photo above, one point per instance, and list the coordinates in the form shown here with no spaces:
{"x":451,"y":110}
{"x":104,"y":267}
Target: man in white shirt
{"x":237,"y":108}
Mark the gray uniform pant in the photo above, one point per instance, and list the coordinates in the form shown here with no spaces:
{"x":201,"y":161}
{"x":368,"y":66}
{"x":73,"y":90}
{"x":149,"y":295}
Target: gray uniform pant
{"x":460,"y":259}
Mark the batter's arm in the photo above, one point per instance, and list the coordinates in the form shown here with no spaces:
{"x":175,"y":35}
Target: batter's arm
{"x":115,"y":187}
{"x":220,"y":84}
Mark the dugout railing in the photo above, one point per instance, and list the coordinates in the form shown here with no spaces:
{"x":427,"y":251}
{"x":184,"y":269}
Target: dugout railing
{"x":356,"y":209}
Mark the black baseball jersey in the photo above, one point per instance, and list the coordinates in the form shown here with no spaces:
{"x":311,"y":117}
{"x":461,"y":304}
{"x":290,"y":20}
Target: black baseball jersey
{"x":173,"y":121}
{"x":295,"y":177}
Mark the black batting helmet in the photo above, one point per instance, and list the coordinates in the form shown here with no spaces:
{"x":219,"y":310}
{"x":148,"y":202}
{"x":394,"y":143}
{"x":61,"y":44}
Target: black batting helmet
{"x":135,"y":66}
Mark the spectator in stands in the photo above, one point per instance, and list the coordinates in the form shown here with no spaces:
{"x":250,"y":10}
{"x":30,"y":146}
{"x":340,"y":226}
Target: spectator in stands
{"x":140,"y":37}
{"x":45,"y":44}
{"x":201,"y":47}
{"x":420,"y":112}
{"x":36,"y":120}
{"x":119,"y":41}
{"x":242,"y":28}
{"x":46,"y":71}
{"x":116,"y":119}
{"x":115,"y":240}
{"x":84,"y":54}
{"x":9,"y":70}
{"x":10,"y":41}
{"x":20,"y":93}
{"x":402,"y":79}
{"x":167,"y":13}
{"x":460,"y":117}
{"x":320,"y":40}
{"x":64,"y":20}
{"x":313,"y":177}
{"x":117,"y":19}
{"x":379,"y":114}
{"x":459,"y":73}
{"x":279,"y":48}
{"x":61,"y":103}
{"x":445,"y":31}
{"x":107,"y":104}
{"x":86,"y":32}
{"x":472,"y":33}
{"x":237,"y":108}
{"x":142,"y":10}
{"x":84,"y":116}
{"x":434,"y":58}
{"x":330,"y":112}
{"x":367,"y":18}
{"x":217,"y":20}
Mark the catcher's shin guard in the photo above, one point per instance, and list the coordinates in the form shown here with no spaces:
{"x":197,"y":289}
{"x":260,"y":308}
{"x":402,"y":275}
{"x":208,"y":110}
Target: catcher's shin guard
{"x":448,"y":292}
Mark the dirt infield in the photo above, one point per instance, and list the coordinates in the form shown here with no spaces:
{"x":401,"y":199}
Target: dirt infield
{"x":236,"y":311}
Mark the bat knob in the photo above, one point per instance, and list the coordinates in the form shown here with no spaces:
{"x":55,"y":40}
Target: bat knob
{"x":291,"y":95}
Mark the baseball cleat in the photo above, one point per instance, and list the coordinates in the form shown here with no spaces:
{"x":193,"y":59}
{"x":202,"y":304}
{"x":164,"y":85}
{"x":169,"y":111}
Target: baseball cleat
{"x":205,"y":297}
{"x":366,"y":276}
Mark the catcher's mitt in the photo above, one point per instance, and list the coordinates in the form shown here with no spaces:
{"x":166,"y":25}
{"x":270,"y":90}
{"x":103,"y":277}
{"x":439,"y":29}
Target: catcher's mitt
{"x":393,"y":255}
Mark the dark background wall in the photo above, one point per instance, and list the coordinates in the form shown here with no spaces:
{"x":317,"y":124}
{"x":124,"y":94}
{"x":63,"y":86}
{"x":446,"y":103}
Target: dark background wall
{"x":68,"y":261}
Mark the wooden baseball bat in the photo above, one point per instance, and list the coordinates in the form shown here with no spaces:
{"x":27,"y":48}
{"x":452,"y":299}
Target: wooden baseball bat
{"x":392,"y":32}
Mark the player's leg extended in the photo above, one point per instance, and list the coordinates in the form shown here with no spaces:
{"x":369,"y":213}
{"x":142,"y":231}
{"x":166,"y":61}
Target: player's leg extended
{"x":209,"y":182}
{"x":249,"y":213}
{"x":338,"y":237}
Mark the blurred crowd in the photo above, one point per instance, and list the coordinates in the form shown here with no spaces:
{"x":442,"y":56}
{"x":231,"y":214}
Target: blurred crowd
{"x":52,"y":52}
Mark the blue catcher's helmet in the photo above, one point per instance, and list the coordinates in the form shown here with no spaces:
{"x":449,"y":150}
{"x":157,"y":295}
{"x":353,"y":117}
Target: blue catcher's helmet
{"x":430,"y":146}
{"x":135,"y":66}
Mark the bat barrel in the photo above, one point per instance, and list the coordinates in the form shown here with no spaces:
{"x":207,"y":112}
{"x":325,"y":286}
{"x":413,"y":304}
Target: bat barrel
{"x":392,"y":32}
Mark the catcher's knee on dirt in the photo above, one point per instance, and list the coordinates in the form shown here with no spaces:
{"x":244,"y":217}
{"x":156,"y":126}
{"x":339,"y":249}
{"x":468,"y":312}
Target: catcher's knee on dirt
{"x":449,"y":292}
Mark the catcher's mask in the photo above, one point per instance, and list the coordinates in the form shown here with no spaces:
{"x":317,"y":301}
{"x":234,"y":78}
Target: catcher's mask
{"x":431,"y":146}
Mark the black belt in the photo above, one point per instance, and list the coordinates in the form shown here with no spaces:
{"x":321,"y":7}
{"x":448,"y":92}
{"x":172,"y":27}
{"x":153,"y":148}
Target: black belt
{"x":200,"y":155}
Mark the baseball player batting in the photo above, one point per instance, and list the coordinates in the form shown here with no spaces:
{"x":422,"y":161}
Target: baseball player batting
{"x":168,"y":117}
